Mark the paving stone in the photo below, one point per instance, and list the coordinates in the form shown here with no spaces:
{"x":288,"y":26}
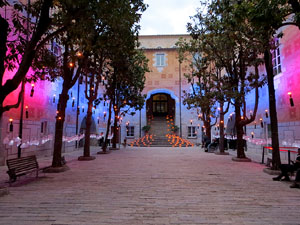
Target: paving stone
{"x":137,"y":186}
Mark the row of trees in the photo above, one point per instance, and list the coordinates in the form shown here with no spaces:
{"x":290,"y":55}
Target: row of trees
{"x":98,"y":43}
{"x":231,"y":42}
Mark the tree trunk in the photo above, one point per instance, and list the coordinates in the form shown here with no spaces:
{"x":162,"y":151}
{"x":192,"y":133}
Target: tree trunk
{"x":107,"y":128}
{"x":115,"y":132}
{"x":221,"y":126}
{"x":87,"y":138}
{"x":59,"y":126}
{"x":272,"y":109}
{"x":207,"y":129}
{"x":239,"y":133}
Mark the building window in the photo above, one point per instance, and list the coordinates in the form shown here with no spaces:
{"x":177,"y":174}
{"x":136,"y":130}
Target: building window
{"x":130,"y":131}
{"x":192,"y":132}
{"x":276,"y":60}
{"x":160,"y":59}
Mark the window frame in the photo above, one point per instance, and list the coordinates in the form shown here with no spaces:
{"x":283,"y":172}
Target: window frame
{"x":160,"y":59}
{"x":276,"y":59}
{"x":192,"y":131}
{"x":130,"y":131}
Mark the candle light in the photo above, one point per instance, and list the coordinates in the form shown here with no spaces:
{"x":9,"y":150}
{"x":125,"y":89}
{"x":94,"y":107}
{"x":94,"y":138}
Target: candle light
{"x":291,"y":99}
{"x":32,"y":90}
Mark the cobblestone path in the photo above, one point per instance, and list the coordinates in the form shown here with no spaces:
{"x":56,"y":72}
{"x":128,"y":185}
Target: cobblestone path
{"x":140,"y":186}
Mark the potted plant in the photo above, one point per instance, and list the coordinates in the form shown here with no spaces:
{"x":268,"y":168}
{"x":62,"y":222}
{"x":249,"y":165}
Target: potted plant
{"x":146,"y":128}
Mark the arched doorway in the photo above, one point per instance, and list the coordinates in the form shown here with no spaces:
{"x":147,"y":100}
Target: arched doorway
{"x":160,"y":105}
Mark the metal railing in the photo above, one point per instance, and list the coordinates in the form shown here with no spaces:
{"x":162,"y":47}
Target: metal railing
{"x":282,"y":149}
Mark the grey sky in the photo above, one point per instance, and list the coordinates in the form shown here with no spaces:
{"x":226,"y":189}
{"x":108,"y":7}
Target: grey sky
{"x":167,"y":16}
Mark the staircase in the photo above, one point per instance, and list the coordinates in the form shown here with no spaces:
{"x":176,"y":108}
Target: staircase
{"x":159,"y":130}
{"x":160,"y":135}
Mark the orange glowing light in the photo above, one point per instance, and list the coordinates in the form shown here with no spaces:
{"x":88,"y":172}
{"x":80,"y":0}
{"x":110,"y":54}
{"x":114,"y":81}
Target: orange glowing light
{"x":289,"y":93}
{"x":79,"y":54}
{"x":71,"y":64}
{"x":10,"y":120}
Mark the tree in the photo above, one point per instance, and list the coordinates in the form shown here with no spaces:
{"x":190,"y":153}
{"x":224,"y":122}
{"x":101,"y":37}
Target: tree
{"x":210,"y":87}
{"x":231,"y":41}
{"x":128,"y":94}
{"x":77,"y":42}
{"x":18,"y":52}
{"x":267,"y":17}
{"x":201,"y":79}
{"x":121,"y":40}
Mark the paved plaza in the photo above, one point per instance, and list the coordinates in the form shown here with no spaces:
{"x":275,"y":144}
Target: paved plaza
{"x":140,"y":186}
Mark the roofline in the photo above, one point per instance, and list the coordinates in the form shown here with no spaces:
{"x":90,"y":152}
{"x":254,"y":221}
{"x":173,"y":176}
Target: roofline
{"x":155,"y":49}
{"x":163,"y":35}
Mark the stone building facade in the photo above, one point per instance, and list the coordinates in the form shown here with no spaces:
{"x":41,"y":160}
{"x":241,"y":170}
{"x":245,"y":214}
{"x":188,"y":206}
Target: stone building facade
{"x":164,"y":88}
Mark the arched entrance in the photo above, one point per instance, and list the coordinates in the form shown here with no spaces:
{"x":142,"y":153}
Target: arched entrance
{"x":160,"y":105}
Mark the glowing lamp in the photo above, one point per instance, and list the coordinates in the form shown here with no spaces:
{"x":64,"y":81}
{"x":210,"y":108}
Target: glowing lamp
{"x":79,"y":54}
{"x":191,"y":122}
{"x":59,"y":117}
{"x":104,"y":114}
{"x":82,"y":108}
{"x":291,"y":99}
{"x":11,"y":126}
{"x":32,"y":90}
{"x":267,"y":114}
{"x":54,"y":98}
{"x":26,"y":112}
{"x":252,"y":134}
{"x":242,"y":117}
{"x":261,"y":123}
{"x":71,"y":64}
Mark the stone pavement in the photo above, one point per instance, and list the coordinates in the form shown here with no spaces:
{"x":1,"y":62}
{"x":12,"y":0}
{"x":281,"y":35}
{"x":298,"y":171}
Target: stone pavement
{"x":140,"y":186}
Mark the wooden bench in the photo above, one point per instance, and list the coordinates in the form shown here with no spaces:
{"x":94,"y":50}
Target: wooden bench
{"x":22,"y":166}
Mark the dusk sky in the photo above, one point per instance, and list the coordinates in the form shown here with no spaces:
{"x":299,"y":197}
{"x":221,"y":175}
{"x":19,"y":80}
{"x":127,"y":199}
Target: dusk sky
{"x":167,"y":16}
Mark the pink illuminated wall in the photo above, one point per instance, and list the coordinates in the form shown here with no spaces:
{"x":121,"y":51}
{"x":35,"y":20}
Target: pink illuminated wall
{"x":290,"y":79}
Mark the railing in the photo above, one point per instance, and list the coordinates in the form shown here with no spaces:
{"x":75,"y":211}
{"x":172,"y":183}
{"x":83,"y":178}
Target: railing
{"x":282,"y":149}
